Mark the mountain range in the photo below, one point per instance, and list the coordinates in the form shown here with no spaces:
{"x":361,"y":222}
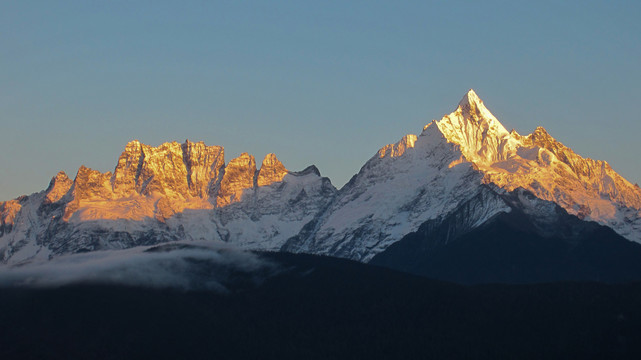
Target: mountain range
{"x":463,"y":187}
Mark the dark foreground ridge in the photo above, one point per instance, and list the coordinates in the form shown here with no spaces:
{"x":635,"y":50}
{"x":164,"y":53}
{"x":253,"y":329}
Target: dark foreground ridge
{"x":515,"y":247}
{"x":325,"y":308}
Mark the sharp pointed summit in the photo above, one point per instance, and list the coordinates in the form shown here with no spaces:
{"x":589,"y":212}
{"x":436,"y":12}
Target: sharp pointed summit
{"x":271,"y":171}
{"x":472,"y":108}
{"x":470,"y":98}
{"x":473,"y":127}
{"x":471,"y":105}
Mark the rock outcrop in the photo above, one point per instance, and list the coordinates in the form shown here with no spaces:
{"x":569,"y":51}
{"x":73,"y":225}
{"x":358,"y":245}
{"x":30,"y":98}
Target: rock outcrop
{"x":238,"y":178}
{"x":169,"y":192}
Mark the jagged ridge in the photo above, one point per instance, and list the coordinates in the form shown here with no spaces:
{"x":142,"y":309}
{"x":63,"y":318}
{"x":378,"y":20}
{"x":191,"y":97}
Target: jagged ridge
{"x":156,"y":194}
{"x":177,"y":191}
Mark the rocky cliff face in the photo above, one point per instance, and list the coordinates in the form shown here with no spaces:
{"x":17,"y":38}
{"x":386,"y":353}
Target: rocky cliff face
{"x":271,"y":171}
{"x":238,"y":179}
{"x":8,"y":212}
{"x":58,"y":187}
{"x":185,"y":170}
{"x":156,"y":194}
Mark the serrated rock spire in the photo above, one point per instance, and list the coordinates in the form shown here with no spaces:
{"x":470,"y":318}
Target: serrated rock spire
{"x":58,"y":187}
{"x":238,"y":178}
{"x":271,"y":171}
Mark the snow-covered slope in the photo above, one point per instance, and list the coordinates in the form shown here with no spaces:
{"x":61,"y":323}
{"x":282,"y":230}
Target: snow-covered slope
{"x":426,"y":177}
{"x":398,"y":189}
{"x":165,"y":193}
{"x":537,"y":162}
{"x":530,"y":240}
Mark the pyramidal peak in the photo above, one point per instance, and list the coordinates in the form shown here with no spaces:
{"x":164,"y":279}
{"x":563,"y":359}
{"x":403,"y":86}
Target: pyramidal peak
{"x":473,"y":127}
{"x":271,"y":170}
{"x":473,"y":109}
{"x":541,"y":164}
{"x":470,"y":99}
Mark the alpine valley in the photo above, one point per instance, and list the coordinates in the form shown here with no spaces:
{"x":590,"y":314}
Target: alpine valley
{"x":465,"y":200}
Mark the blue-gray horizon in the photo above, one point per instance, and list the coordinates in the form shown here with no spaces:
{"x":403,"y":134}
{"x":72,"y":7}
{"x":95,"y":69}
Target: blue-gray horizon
{"x":316,"y":84}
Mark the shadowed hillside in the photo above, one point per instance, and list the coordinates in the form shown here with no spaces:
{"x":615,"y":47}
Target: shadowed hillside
{"x":320,"y":308}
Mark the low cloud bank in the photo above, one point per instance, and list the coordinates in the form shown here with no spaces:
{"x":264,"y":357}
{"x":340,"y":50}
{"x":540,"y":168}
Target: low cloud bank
{"x":183,"y":265}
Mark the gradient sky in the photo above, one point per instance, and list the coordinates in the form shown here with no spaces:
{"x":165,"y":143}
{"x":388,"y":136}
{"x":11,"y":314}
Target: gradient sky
{"x":315,"y":82}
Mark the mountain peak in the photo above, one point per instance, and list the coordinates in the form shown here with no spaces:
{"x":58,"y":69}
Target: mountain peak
{"x":472,"y":107}
{"x":58,"y":187}
{"x":271,"y":171}
{"x":470,"y":98}
{"x":238,"y":178}
{"x":473,"y":127}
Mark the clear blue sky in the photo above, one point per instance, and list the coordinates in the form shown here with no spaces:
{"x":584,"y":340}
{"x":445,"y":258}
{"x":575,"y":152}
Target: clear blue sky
{"x":316,"y":82}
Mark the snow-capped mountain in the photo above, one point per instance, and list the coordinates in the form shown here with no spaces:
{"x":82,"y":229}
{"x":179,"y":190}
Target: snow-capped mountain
{"x":426,"y":177}
{"x":187,"y":191}
{"x":398,"y":189}
{"x":537,"y":162}
{"x":165,"y":193}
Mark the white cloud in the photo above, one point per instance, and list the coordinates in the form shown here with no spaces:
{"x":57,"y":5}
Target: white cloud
{"x":184,"y":265}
